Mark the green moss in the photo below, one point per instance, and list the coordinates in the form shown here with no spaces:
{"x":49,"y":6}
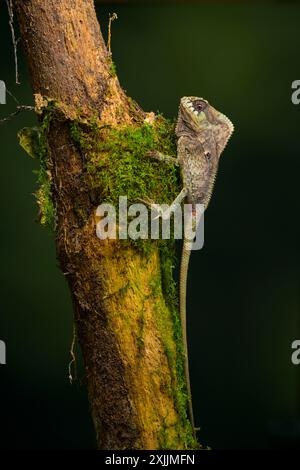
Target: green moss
{"x":141,"y":332}
{"x":175,"y":357}
{"x":29,"y":140}
{"x":34,"y":142}
{"x":121,"y":153}
{"x":163,"y":437}
{"x":113,"y":69}
{"x":118,"y":165}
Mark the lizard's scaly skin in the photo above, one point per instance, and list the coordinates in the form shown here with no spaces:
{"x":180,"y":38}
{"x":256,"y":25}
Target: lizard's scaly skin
{"x":184,"y":267}
{"x":202,"y":134}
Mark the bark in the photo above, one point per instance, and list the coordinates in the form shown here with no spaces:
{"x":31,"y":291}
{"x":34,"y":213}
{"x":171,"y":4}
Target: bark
{"x":131,"y":395}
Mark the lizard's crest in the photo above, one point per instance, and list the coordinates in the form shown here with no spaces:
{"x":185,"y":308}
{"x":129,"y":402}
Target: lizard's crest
{"x":197,"y":116}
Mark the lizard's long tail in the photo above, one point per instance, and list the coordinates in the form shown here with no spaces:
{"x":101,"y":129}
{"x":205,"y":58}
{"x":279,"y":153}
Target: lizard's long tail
{"x":185,"y":257}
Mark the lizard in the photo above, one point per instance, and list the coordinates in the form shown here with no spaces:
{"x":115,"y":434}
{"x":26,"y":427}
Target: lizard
{"x":202,"y":133}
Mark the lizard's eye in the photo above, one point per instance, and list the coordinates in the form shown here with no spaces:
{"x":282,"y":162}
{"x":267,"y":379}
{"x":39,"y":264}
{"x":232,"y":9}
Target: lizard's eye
{"x":207,"y":156}
{"x":199,"y":105}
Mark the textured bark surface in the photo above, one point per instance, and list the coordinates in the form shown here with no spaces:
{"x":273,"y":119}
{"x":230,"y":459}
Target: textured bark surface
{"x":129,"y":391}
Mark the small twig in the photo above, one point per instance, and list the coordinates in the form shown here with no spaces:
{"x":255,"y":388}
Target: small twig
{"x":15,"y":41}
{"x":73,"y":357}
{"x":12,"y":96}
{"x":15,"y":113}
{"x":19,"y":108}
{"x":112,"y":17}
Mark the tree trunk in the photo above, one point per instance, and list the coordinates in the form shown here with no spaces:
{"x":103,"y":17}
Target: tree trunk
{"x":128,"y":331}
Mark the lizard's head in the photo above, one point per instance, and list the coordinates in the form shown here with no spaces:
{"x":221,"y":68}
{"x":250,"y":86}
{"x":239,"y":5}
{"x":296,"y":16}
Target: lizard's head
{"x":197,"y":116}
{"x":202,"y":133}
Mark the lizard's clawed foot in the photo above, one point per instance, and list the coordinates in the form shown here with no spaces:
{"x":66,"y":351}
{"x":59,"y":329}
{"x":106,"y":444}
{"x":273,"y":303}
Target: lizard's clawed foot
{"x":162,"y":157}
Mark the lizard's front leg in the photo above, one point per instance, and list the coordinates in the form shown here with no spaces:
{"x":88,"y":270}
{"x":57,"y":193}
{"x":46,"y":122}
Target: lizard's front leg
{"x":161,"y":157}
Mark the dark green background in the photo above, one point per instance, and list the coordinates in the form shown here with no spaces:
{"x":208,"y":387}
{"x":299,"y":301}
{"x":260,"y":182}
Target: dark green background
{"x":243,"y":297}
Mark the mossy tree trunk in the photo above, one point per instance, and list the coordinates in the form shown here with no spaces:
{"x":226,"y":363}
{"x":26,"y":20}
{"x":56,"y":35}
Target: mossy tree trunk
{"x":128,"y":330}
